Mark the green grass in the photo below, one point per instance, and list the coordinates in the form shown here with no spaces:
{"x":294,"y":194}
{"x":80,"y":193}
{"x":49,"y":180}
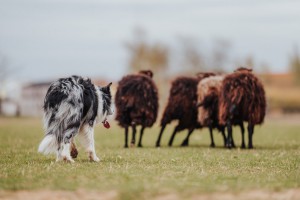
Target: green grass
{"x":135,"y":173}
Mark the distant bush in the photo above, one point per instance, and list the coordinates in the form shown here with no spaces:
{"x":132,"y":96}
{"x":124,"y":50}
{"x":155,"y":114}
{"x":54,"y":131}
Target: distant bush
{"x":294,"y":64}
{"x":285,"y":99}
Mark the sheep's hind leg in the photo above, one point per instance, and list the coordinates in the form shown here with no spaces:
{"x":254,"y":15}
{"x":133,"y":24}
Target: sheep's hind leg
{"x":160,"y":135}
{"x":222,"y":129}
{"x":243,"y":146}
{"x":250,"y":134}
{"x":232,"y":143}
{"x":185,"y":142}
{"x":173,"y":135}
{"x":229,"y":136}
{"x":132,"y":144}
{"x":212,"y":144}
{"x":126,"y":137}
{"x":141,"y":137}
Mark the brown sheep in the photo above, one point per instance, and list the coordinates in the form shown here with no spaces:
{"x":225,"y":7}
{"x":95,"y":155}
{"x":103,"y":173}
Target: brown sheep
{"x":136,"y":103}
{"x":242,"y":98}
{"x":208,"y":91}
{"x":208,"y":106}
{"x":182,"y":106}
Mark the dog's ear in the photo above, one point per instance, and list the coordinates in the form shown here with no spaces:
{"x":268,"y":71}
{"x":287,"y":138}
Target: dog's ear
{"x":106,"y":89}
{"x":108,"y":86}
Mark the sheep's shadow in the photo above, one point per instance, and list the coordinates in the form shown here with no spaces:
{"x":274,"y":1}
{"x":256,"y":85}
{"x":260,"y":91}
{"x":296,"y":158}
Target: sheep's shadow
{"x":201,"y":146}
{"x":177,"y":147}
{"x":277,"y":147}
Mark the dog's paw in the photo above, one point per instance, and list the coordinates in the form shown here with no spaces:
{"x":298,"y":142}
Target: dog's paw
{"x":93,"y":157}
{"x":96,"y":159}
{"x":65,"y":159}
{"x":68,"y":159}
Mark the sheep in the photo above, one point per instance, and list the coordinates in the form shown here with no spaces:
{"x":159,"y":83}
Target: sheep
{"x":242,"y":98}
{"x":136,"y":103}
{"x":208,"y":91}
{"x":182,"y":106}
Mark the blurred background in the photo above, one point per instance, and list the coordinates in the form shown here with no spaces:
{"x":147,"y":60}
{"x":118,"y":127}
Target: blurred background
{"x":42,"y":40}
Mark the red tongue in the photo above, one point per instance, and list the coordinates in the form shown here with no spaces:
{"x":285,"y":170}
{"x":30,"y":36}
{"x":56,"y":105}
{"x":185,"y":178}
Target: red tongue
{"x":106,"y":124}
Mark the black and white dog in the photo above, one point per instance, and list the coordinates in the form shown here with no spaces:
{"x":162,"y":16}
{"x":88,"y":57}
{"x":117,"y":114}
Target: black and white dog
{"x":72,"y":107}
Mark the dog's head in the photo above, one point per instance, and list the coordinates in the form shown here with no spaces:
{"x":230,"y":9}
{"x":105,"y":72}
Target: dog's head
{"x":107,"y":99}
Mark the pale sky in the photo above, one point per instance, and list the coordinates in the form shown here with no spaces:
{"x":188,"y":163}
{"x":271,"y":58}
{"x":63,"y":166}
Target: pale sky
{"x":46,"y":39}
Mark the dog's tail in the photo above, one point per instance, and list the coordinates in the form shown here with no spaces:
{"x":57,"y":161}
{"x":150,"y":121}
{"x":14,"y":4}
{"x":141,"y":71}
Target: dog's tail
{"x":48,"y":144}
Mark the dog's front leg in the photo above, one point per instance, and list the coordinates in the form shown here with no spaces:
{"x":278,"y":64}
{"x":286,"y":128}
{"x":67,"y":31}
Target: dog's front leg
{"x":58,"y":154}
{"x":91,"y":148}
{"x":86,"y":138}
{"x":65,"y":154}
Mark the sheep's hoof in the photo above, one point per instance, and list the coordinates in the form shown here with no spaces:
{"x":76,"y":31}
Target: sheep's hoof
{"x":250,"y":147}
{"x":157,"y":145}
{"x":185,"y":144}
{"x":229,"y":145}
{"x":125,"y":146}
{"x":243,"y":146}
{"x":212,"y":145}
{"x":140,"y":145}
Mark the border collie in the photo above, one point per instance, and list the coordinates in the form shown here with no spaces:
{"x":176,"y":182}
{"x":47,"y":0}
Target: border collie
{"x":73,"y":106}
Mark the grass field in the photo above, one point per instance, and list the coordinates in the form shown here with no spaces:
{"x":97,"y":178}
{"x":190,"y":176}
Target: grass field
{"x":274,"y":164}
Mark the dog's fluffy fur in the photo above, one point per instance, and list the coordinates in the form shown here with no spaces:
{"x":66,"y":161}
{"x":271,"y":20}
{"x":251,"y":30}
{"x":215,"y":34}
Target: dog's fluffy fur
{"x":73,"y":106}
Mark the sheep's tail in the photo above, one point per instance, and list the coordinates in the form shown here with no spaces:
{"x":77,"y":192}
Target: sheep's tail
{"x":48,"y":144}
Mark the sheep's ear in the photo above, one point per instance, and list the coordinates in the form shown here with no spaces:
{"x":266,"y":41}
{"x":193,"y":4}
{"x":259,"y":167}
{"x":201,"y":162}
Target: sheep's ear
{"x":245,"y":69}
{"x":147,"y":73}
{"x":202,"y":75}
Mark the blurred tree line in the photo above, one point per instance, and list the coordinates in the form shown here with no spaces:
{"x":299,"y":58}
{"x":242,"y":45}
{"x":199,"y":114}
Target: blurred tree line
{"x":190,"y":59}
{"x":294,"y":64}
{"x":4,"y":71}
{"x":144,"y":55}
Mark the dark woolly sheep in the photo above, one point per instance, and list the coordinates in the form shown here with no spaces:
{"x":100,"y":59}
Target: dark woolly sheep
{"x":242,"y":98}
{"x":182,"y":106}
{"x":208,"y":93}
{"x":136,"y":103}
